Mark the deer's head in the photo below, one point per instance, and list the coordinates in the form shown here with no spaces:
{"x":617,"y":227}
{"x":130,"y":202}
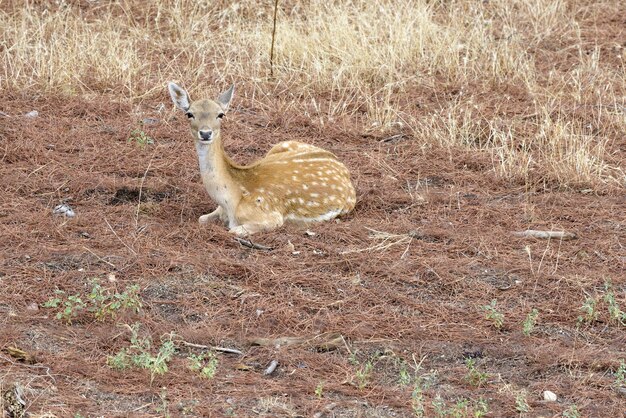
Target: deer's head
{"x":205,"y":116}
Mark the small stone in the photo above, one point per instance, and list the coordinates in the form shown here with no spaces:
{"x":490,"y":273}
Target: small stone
{"x":32,"y":307}
{"x":111,"y":278}
{"x":32,"y":114}
{"x":309,"y":233}
{"x":549,"y":396}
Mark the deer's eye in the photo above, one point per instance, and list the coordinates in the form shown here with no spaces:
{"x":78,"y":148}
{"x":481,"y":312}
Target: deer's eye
{"x":189,"y":115}
{"x":220,"y":115}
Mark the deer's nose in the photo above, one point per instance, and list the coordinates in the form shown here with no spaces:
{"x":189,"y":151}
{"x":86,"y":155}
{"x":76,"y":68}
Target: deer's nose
{"x":205,"y":135}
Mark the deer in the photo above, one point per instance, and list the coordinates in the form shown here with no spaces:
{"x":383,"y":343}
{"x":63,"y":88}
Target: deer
{"x":294,"y":182}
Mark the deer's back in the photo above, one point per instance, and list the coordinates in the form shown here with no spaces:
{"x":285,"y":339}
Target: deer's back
{"x":301,"y":181}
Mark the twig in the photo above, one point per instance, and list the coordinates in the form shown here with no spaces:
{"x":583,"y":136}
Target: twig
{"x":32,"y":366}
{"x":118,"y":237}
{"x":250,"y":244}
{"x":270,"y":369}
{"x":100,"y":258}
{"x":207,"y":347}
{"x":532,"y":233}
{"x":143,"y":179}
{"x":273,"y":38}
{"x":393,"y":138}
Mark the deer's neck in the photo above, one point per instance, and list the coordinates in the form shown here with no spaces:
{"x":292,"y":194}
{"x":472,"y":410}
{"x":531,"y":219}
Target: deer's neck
{"x":216,"y":171}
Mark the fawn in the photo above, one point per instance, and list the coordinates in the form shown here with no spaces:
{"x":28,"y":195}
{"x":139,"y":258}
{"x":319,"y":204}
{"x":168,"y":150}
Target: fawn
{"x":293,"y":182}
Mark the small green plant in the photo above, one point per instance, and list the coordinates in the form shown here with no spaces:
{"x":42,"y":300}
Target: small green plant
{"x":364,"y":373}
{"x":481,"y":408}
{"x":71,"y":305}
{"x":493,"y":314}
{"x":139,"y":354}
{"x":529,"y":323}
{"x":474,"y":376}
{"x":102,"y":302}
{"x":615,"y":313}
{"x":590,"y":307}
{"x":439,"y":405}
{"x":352,"y":359}
{"x":589,"y":310}
{"x":105,"y":303}
{"x":164,"y":407}
{"x":140,"y":137}
{"x":205,"y":364}
{"x":462,"y":408}
{"x":319,"y":390}
{"x":404,"y":378}
{"x":521,"y":405}
{"x":417,"y":401}
{"x":572,"y":412}
{"x":620,"y":375}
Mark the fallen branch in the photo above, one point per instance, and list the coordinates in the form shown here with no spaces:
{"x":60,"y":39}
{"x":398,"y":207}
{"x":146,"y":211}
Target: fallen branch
{"x":532,"y":233}
{"x":393,"y":138}
{"x":208,"y":347}
{"x":250,"y":244}
{"x":324,"y":342}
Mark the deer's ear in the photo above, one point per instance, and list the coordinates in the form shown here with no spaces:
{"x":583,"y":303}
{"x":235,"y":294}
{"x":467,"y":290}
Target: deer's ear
{"x":179,"y":96}
{"x":225,"y":98}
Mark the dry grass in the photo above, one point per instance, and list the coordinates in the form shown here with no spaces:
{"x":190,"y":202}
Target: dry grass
{"x":356,"y":60}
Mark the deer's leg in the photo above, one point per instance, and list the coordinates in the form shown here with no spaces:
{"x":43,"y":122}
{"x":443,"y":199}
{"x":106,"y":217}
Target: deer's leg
{"x":216,"y":214}
{"x":266,"y":223}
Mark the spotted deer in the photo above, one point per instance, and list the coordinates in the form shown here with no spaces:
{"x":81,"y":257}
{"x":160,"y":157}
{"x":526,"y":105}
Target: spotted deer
{"x":294,"y":181}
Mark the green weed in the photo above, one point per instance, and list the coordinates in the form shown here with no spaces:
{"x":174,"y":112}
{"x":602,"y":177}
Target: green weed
{"x":417,"y":401}
{"x":615,"y":313}
{"x":591,"y":311}
{"x":493,"y":314}
{"x":319,"y":390}
{"x":474,"y":376}
{"x":620,"y":375}
{"x":140,"y":137}
{"x":521,"y":405}
{"x":529,"y":323}
{"x":461,"y":408}
{"x":205,"y":364}
{"x":140,"y":354}
{"x":572,"y":412}
{"x":363,"y":374}
{"x":71,"y":305}
{"x":101,"y":302}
